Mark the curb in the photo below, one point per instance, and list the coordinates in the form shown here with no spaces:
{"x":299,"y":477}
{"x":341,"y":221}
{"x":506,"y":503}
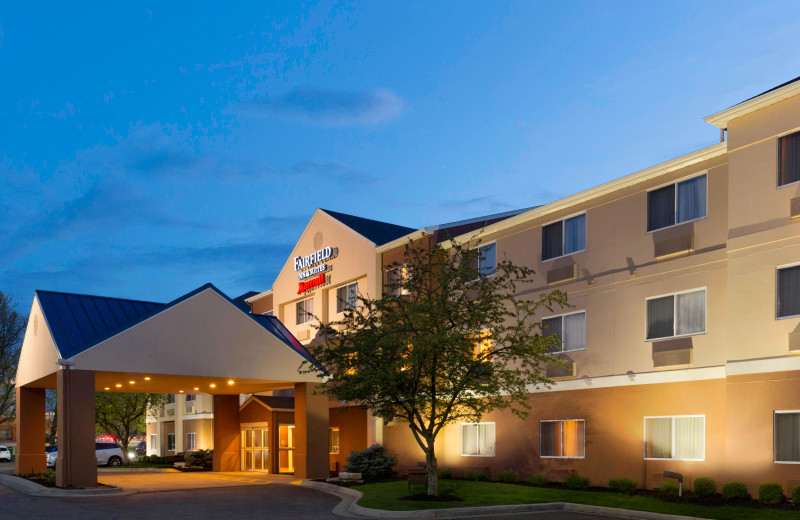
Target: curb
{"x":350,"y":497}
{"x":31,"y":488}
{"x":136,"y":470}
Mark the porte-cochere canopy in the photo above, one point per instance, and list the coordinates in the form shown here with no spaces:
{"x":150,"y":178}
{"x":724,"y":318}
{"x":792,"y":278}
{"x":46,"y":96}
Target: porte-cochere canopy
{"x":200,"y":342}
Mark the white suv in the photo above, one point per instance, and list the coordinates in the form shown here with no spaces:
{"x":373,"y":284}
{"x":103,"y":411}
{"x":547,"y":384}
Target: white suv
{"x":107,"y":453}
{"x":5,"y":454}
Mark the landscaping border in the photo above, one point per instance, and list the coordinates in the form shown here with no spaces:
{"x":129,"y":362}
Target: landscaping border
{"x":33,"y":489}
{"x":351,"y":497}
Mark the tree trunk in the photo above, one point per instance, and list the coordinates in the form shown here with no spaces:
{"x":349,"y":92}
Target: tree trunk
{"x":433,"y":469}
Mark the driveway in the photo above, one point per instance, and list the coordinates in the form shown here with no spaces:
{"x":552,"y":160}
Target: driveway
{"x":179,"y":481}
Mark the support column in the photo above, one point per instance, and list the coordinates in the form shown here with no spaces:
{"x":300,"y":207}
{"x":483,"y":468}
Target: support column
{"x":180,"y":407}
{"x":31,"y":430}
{"x":311,"y":458}
{"x":76,"y":464}
{"x":161,"y":438}
{"x":374,"y":429}
{"x":226,"y":433}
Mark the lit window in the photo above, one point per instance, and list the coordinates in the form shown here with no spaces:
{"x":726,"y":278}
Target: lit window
{"x":570,"y":329}
{"x":191,"y":441}
{"x":787,"y":436}
{"x":478,"y":439}
{"x":333,"y":440}
{"x":788,"y":291}
{"x":346,"y":297}
{"x":789,"y":159}
{"x":674,"y":315}
{"x":680,"y":202}
{"x":564,"y":237}
{"x":170,"y":442}
{"x":351,"y":363}
{"x":677,"y":438}
{"x":305,"y":311}
{"x":563,"y":439}
{"x":396,"y":278}
{"x":484,"y":346}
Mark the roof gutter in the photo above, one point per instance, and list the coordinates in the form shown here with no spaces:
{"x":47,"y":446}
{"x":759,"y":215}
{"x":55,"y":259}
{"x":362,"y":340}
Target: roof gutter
{"x":721,"y":119}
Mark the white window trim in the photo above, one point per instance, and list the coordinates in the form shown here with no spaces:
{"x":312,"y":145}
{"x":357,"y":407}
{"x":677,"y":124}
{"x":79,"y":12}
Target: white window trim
{"x":672,"y":436}
{"x":562,"y":329}
{"x":562,"y":439}
{"x":563,"y":230}
{"x":480,"y":454}
{"x":337,"y":295}
{"x":778,"y":159}
{"x":310,"y":315}
{"x":675,"y":314}
{"x":171,"y":436}
{"x":775,"y":438}
{"x":675,"y":183}
{"x":777,"y":286}
{"x":478,"y":247}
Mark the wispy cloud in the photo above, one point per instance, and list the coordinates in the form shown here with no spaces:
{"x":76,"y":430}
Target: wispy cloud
{"x":325,"y":106}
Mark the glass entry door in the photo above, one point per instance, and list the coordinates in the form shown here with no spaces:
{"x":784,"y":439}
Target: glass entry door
{"x":286,"y":448}
{"x":255,"y":449}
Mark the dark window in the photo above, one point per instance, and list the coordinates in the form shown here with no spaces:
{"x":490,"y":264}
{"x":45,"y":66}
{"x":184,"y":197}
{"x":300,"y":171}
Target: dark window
{"x":346,"y":297}
{"x":660,"y":317}
{"x":789,"y":291}
{"x":661,"y":208}
{"x":680,"y":202}
{"x":678,"y":314}
{"x":552,"y":240}
{"x":564,"y":237}
{"x":789,"y":159}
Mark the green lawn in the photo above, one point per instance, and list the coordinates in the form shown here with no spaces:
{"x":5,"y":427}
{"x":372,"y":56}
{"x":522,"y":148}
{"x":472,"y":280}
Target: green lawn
{"x":386,"y":495}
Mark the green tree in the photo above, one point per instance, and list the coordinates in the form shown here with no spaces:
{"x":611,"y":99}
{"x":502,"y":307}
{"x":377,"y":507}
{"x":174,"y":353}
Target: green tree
{"x":123,"y":415}
{"x":12,"y":329}
{"x":448,"y":342}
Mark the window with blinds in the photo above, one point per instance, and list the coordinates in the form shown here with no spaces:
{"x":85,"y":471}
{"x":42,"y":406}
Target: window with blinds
{"x":562,"y":439}
{"x":787,"y":436}
{"x":675,"y":315}
{"x":304,"y":311}
{"x":788,"y":291}
{"x":569,"y":328}
{"x":564,"y":237}
{"x":478,"y":439}
{"x":789,"y":159}
{"x":677,"y":203}
{"x":680,"y":437}
{"x":346,"y":297}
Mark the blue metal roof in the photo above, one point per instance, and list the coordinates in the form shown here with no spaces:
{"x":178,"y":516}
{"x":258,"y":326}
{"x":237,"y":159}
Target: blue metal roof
{"x":78,"y":322}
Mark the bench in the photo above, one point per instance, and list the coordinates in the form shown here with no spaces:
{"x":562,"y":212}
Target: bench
{"x":417,"y":477}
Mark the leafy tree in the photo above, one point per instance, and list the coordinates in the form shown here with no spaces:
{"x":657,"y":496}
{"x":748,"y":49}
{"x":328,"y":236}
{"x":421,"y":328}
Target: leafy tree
{"x":123,"y":414}
{"x":448,"y":342}
{"x":12,"y":328}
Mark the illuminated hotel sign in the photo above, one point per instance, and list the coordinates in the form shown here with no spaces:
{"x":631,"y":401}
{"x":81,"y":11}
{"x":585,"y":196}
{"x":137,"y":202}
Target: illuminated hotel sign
{"x":312,"y":266}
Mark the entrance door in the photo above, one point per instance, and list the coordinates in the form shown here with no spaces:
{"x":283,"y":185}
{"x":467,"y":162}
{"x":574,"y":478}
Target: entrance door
{"x":286,"y":448}
{"x":255,"y":449}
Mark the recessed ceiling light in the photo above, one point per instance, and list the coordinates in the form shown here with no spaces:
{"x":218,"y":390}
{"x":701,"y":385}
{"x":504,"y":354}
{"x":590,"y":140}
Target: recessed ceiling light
{"x":118,"y":385}
{"x":107,"y":388}
{"x":213,"y":385}
{"x":180,"y":392}
{"x":132,"y":382}
{"x":147,"y":379}
{"x":197,"y":388}
{"x":230,"y":381}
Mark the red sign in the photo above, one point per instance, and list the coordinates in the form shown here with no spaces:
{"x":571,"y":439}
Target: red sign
{"x":310,"y":284}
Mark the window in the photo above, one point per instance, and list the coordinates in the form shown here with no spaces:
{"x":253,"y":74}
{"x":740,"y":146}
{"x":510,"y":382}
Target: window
{"x":477,"y":439}
{"x":191,"y":441}
{"x":563,"y":439}
{"x":788,"y":291}
{"x":484,"y":345}
{"x":486,"y":260}
{"x":676,"y":203}
{"x":346,"y":297}
{"x":787,"y":437}
{"x":153,"y":442}
{"x":570,"y":328}
{"x":674,"y":315}
{"x":678,"y":437}
{"x":333,"y":440}
{"x":170,"y":398}
{"x":190,"y":398}
{"x":170,"y":442}
{"x":305,"y":311}
{"x":789,"y":159}
{"x":564,"y":237}
{"x":395,"y":278}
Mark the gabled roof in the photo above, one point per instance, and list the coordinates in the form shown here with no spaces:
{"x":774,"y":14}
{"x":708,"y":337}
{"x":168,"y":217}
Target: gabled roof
{"x":373,"y":230}
{"x":768,"y":97}
{"x":78,"y":322}
{"x":277,"y":401}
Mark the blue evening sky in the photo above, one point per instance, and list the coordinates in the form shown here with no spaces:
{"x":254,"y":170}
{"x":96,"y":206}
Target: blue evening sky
{"x":147,"y":149}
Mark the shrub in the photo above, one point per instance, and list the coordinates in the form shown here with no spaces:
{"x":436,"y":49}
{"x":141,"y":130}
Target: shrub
{"x":480,"y":476}
{"x":623,"y":485}
{"x":203,"y":458}
{"x":796,"y":496}
{"x":770,"y":493}
{"x":140,"y":458}
{"x":704,"y":487}
{"x":507,"y":476}
{"x":669,"y":488}
{"x":735,"y":490}
{"x":446,"y":474}
{"x":373,"y":463}
{"x":538,"y":480}
{"x":576,"y":482}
